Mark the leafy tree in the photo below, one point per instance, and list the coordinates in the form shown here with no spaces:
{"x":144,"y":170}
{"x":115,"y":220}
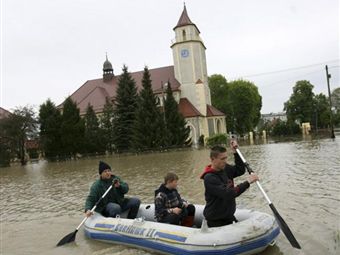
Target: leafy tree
{"x":177,"y":133}
{"x":335,"y":95}
{"x":149,"y":124}
{"x":321,"y":116}
{"x":300,"y":106}
{"x":72,"y":129}
{"x":336,"y":105}
{"x":106,"y":124}
{"x":50,"y":124}
{"x":245,"y":105}
{"x":6,"y":143}
{"x":93,"y":134}
{"x":20,"y":126}
{"x":219,"y":92}
{"x":125,"y":111}
{"x":285,"y":128}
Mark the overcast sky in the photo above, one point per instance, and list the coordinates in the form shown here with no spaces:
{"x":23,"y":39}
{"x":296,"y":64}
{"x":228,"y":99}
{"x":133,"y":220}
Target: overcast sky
{"x":49,"y":48}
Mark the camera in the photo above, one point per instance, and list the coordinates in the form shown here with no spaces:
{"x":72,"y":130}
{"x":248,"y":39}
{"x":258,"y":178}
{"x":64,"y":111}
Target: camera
{"x":115,"y":181}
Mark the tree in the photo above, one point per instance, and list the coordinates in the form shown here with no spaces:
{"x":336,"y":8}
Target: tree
{"x":335,"y":95}
{"x":20,"y":126}
{"x":245,"y":105}
{"x":93,"y":134}
{"x":106,"y":124}
{"x":336,"y":105}
{"x":300,"y":106}
{"x":125,"y":111}
{"x":177,"y":133}
{"x":72,"y":129}
{"x":149,"y":124}
{"x":321,"y":116}
{"x":50,"y":124}
{"x":219,"y":92}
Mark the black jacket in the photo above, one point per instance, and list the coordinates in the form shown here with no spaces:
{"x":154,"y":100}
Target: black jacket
{"x":166,"y":199}
{"x":220,"y":191}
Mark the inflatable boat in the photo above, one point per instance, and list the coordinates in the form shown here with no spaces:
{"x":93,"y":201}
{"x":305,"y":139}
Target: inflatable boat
{"x":253,"y":233}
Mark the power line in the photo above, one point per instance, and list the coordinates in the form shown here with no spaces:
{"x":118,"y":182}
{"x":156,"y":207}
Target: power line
{"x":288,"y":69}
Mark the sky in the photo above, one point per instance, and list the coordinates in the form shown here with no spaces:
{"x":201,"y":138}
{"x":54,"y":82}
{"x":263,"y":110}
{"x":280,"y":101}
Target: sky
{"x":49,"y":48}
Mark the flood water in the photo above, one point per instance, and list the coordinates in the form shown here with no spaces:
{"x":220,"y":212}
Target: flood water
{"x":43,"y":202}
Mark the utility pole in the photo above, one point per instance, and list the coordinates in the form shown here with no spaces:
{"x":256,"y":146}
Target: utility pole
{"x":330,"y":103}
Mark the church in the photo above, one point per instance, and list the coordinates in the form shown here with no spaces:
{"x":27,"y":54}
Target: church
{"x":188,"y":78}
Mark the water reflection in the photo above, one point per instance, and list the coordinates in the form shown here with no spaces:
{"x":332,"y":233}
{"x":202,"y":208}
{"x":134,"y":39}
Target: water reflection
{"x":42,"y":202}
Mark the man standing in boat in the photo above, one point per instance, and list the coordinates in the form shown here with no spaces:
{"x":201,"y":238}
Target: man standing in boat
{"x":114,"y":202}
{"x":220,"y":191}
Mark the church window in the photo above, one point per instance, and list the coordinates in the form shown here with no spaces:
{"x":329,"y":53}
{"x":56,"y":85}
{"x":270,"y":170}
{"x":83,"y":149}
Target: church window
{"x":184,"y":35}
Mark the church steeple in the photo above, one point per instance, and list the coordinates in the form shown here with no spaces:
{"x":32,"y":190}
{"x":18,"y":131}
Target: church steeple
{"x":190,"y":64}
{"x":107,"y":70}
{"x":184,"y":20}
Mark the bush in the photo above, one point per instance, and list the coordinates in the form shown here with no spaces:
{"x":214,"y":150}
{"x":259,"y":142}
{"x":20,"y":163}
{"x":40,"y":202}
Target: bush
{"x":217,"y":139}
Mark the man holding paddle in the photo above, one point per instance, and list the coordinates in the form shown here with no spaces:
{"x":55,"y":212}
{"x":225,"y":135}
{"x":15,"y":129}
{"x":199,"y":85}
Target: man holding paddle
{"x":114,"y":202}
{"x":220,"y":191}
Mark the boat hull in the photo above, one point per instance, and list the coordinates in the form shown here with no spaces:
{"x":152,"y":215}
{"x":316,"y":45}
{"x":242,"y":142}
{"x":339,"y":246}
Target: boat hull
{"x":254,"y":232}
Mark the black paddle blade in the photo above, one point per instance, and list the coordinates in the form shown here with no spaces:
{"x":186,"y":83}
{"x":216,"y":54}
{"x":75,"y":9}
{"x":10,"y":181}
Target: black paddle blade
{"x":284,"y":227}
{"x":68,"y":239}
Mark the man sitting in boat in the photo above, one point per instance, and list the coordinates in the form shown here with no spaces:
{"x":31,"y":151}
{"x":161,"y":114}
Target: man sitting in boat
{"x":220,"y":191}
{"x":114,"y":202}
{"x":169,"y":206}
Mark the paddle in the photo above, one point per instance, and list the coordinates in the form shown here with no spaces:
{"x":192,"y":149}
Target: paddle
{"x":72,"y":236}
{"x":282,"y":224}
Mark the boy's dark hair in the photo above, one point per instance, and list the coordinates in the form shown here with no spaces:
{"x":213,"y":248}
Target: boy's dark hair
{"x":169,"y":177}
{"x":216,"y":150}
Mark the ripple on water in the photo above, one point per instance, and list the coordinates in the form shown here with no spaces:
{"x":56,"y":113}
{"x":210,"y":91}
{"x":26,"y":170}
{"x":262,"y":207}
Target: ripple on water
{"x":301,"y":178}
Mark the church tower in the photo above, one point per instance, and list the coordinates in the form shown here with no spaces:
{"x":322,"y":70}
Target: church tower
{"x":107,"y":70}
{"x":190,"y":63}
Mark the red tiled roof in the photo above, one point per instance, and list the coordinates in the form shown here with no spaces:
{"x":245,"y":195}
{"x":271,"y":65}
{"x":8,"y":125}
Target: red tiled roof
{"x":96,"y":91}
{"x":4,"y":113}
{"x":212,"y":111}
{"x":185,"y":20}
{"x":187,"y":109}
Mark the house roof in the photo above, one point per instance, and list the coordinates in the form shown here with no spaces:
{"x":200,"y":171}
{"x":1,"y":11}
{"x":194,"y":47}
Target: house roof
{"x":212,"y":111}
{"x":187,"y":109}
{"x":94,"y":92}
{"x":4,"y":113}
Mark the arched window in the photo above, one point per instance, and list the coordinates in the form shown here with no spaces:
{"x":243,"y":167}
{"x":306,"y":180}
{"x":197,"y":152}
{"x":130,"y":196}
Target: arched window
{"x":184,"y":35}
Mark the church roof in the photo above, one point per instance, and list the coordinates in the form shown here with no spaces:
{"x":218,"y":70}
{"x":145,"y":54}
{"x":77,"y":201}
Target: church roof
{"x":94,"y":92}
{"x":187,"y":109}
{"x":212,"y":111}
{"x":184,"y":20}
{"x":4,"y":113}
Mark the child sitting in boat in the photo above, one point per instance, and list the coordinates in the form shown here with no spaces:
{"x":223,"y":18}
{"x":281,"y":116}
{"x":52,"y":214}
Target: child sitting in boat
{"x":169,"y":206}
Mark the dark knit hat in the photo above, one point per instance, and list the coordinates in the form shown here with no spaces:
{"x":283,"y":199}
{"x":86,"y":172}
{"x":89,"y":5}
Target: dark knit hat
{"x":103,"y":166}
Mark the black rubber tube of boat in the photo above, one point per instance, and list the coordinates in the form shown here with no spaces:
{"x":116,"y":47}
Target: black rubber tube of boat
{"x":72,"y":236}
{"x":282,"y":224}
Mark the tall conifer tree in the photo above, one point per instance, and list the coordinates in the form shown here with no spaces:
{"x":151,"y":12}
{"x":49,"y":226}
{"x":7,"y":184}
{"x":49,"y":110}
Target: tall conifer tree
{"x":149,"y":124}
{"x":50,"y":123}
{"x":175,"y":125}
{"x":125,"y":111}
{"x":106,"y":124}
{"x":72,"y":129}
{"x":93,"y":137}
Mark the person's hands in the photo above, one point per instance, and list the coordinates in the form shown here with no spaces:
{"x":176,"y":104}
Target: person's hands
{"x":185,"y":204}
{"x":116,"y":183}
{"x":252,"y":178}
{"x":176,"y":210}
{"x":88,"y":213}
{"x":233,"y":145}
